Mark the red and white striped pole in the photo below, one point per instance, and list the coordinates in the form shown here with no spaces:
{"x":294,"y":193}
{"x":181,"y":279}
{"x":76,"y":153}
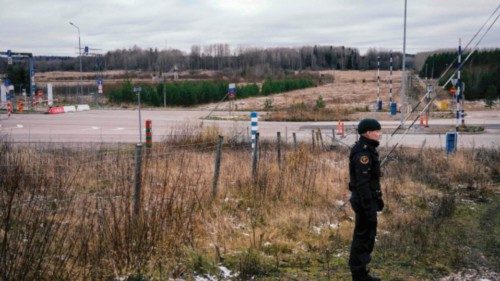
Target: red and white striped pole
{"x":378,"y":106}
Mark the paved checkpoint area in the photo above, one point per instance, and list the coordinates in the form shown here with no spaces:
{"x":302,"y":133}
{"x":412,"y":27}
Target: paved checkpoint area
{"x":109,"y":126}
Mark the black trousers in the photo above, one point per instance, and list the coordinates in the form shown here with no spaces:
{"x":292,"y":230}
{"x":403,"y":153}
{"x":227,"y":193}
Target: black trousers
{"x":363,"y":238}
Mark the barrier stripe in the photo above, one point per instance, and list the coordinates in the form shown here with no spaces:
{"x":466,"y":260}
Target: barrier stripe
{"x":255,"y":127}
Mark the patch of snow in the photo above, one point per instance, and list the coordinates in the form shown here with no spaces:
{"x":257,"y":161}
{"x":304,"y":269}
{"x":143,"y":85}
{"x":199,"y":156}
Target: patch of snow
{"x":226,"y":273}
{"x":205,"y":278}
{"x":316,"y":229}
{"x":339,"y":203}
{"x":334,"y":225}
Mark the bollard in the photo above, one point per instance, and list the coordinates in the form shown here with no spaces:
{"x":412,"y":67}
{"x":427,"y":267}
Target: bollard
{"x":340,"y":128}
{"x":9,"y":108}
{"x":451,"y":142}
{"x":424,"y":120}
{"x":149,"y":134}
{"x":20,"y":106}
{"x":394,"y":108}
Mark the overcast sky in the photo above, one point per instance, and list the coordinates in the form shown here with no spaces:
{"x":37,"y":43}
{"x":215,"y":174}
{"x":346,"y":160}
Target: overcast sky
{"x":42,"y":26}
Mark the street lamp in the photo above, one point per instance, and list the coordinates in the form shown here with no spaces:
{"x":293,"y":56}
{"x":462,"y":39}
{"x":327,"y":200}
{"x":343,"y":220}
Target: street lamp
{"x":404,"y":101}
{"x":137,"y":90}
{"x":80,"y":55}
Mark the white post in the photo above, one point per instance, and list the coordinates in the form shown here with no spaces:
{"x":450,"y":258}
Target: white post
{"x":3,"y":95}
{"x":50,"y":95}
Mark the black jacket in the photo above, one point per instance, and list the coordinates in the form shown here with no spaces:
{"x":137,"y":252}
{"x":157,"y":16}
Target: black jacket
{"x":364,"y":171}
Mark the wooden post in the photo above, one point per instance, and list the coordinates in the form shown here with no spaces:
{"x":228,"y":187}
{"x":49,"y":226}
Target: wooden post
{"x":333,"y":137}
{"x":320,"y":136}
{"x":294,"y":140}
{"x":313,"y":140}
{"x":255,"y":157}
{"x":279,"y":149}
{"x":217,"y":167}
{"x":137,"y":180}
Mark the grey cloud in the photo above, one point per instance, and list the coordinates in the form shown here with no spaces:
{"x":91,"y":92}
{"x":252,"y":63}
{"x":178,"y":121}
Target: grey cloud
{"x":42,"y":27}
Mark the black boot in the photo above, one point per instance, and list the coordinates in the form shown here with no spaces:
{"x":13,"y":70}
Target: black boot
{"x":362,"y":275}
{"x":371,"y":278}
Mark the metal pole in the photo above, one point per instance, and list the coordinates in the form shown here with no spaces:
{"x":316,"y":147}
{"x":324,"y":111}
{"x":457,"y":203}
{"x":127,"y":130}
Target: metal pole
{"x":404,"y":102}
{"x":390,"y":81}
{"x":255,"y":157}
{"x":294,"y":135}
{"x":137,"y":90}
{"x":80,"y":56}
{"x":460,"y":92}
{"x":377,"y":107}
{"x":32,"y":80}
{"x":137,"y":179}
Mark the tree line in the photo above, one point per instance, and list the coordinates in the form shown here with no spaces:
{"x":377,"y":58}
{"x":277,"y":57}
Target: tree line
{"x":189,"y":93}
{"x":481,"y":73}
{"x":220,"y":57}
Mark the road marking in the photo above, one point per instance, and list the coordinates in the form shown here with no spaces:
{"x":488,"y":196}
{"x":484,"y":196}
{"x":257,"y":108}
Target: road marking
{"x":119,"y":129}
{"x":20,"y":126}
{"x":95,"y":128}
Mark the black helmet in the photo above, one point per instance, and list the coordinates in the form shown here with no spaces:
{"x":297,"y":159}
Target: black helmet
{"x":368,"y":124}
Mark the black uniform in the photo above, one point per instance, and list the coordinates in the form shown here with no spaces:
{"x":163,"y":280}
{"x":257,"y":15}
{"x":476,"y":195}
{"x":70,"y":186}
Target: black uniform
{"x":366,"y":200}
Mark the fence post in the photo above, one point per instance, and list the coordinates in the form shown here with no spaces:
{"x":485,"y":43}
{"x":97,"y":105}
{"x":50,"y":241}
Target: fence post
{"x":313,"y":140}
{"x":294,"y":140}
{"x":320,"y":135}
{"x":279,"y":149}
{"x":137,"y":179}
{"x":217,"y":167}
{"x":255,"y":156}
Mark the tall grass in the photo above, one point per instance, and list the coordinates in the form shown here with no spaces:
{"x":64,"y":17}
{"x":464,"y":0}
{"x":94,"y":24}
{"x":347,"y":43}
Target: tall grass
{"x":66,"y":212}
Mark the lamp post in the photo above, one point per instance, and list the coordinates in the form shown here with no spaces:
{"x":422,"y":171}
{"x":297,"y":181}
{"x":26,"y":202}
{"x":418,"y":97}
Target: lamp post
{"x":137,"y":90}
{"x":80,"y":55}
{"x":404,"y":101}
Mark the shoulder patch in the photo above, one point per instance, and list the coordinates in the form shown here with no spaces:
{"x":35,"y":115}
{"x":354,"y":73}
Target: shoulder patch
{"x":364,"y":160}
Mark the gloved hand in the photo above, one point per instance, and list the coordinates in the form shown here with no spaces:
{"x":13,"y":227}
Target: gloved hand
{"x":380,"y":204}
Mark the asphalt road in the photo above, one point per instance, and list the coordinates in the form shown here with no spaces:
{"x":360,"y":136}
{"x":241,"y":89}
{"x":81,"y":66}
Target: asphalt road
{"x":122,"y":126}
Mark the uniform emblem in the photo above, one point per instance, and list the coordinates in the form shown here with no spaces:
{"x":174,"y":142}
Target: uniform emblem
{"x":364,"y":160}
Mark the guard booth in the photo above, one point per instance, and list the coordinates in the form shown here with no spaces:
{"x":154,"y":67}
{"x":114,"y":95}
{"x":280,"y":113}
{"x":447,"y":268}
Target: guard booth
{"x":7,"y":90}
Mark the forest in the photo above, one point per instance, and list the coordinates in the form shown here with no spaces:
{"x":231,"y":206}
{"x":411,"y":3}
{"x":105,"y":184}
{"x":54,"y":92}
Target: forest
{"x":481,"y":74}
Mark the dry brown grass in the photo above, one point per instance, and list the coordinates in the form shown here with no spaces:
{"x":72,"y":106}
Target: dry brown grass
{"x":69,"y":210}
{"x":349,"y":89}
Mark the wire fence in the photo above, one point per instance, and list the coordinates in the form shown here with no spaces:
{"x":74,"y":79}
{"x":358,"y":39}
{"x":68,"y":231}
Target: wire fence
{"x":95,"y":196}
